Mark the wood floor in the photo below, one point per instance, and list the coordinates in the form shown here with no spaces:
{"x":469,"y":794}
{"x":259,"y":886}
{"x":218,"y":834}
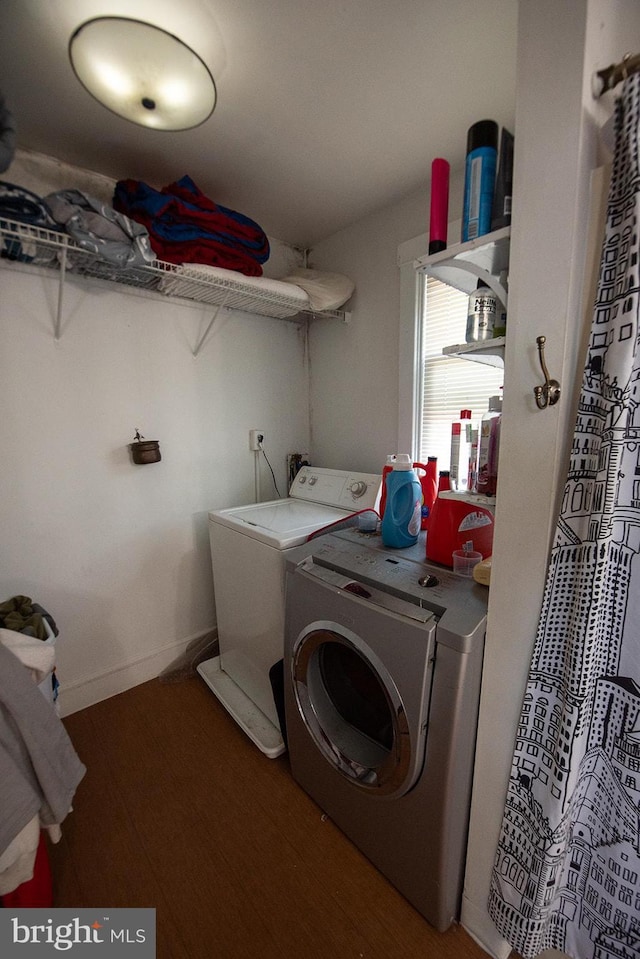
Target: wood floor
{"x":179,"y":811}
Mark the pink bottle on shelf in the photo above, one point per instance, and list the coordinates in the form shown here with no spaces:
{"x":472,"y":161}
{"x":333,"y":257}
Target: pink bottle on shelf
{"x":439,"y":205}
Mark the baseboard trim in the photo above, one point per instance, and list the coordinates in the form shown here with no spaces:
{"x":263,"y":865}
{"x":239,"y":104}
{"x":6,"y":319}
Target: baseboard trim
{"x":478,"y":924}
{"x":94,"y":689}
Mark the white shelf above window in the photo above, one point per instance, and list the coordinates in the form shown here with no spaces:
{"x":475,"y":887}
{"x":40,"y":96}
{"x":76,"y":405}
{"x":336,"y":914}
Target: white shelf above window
{"x":489,"y":352}
{"x":462,"y":265}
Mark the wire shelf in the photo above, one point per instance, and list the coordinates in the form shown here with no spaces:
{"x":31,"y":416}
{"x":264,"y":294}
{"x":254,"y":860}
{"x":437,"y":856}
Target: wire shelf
{"x":38,"y":246}
{"x":266,"y":297}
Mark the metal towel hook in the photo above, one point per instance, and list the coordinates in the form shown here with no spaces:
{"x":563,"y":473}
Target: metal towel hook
{"x":549,"y":393}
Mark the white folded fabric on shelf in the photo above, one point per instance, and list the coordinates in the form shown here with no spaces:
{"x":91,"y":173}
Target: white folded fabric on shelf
{"x":213,"y":284}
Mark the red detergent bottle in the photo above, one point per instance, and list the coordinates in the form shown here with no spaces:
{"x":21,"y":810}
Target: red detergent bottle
{"x":429,"y":483}
{"x":456,"y":523}
{"x":386,"y":469}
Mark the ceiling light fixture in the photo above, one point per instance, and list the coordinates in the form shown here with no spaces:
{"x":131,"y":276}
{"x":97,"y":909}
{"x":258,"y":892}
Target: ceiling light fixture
{"x":142,"y":73}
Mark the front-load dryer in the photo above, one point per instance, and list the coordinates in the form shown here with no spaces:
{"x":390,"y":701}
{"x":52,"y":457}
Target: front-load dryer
{"x":249,"y":546}
{"x":383,"y":659}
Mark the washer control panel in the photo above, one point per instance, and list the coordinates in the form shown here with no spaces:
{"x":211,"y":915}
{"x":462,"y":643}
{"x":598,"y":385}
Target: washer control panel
{"x":340,"y":488}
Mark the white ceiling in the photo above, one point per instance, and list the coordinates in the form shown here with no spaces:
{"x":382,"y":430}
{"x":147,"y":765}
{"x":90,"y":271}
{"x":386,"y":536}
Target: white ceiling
{"x":327,"y":109}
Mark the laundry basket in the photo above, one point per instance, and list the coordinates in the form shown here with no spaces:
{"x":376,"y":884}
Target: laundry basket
{"x":49,"y":685}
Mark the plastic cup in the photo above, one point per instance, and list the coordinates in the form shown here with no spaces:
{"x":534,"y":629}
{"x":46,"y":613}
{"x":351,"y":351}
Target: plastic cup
{"x":464,"y":561}
{"x":368,"y":522}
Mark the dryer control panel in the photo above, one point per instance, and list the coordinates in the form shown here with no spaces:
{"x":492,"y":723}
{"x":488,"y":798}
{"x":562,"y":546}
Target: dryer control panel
{"x":339,"y":488}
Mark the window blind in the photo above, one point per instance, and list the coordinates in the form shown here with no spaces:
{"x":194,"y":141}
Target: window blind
{"x":449,"y":384}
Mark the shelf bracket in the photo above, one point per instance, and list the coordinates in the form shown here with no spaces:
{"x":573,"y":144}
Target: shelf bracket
{"x":476,"y":271}
{"x":63,"y":272}
{"x":462,"y":265}
{"x":204,"y":336}
{"x":491,"y":281}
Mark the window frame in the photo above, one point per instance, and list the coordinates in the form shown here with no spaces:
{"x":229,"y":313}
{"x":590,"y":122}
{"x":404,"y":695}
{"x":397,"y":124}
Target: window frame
{"x":410,"y":345}
{"x":411,"y":372}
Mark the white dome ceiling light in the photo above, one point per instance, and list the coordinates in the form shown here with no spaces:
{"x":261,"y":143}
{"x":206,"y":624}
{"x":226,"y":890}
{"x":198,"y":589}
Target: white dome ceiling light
{"x":142,"y":73}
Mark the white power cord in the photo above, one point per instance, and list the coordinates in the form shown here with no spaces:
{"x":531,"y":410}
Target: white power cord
{"x":256,"y":472}
{"x":256,"y":454}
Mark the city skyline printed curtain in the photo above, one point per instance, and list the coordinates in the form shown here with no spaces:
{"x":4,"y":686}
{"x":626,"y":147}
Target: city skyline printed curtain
{"x":567,"y":866}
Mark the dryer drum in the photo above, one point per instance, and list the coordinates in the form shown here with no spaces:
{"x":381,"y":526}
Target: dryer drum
{"x":351,"y":708}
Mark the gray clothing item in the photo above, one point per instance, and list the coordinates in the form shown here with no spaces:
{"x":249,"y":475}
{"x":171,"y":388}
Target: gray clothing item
{"x":97,"y":227}
{"x":7,"y":136}
{"x":39,"y":768}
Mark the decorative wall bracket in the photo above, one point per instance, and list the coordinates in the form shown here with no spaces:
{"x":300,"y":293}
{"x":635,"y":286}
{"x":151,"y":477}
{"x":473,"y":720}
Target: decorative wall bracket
{"x":549,"y":393}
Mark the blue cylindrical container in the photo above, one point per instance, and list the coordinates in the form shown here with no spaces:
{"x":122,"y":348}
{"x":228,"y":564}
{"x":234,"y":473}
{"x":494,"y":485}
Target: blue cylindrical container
{"x":480,"y":179}
{"x":402,"y":514}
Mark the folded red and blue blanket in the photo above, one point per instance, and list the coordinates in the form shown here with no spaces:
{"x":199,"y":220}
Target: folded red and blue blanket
{"x":185,"y":226}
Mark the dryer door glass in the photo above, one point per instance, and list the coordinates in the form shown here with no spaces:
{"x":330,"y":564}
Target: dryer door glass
{"x":352,"y":709}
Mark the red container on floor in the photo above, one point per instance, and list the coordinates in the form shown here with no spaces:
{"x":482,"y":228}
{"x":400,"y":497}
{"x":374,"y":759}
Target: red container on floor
{"x":38,"y":891}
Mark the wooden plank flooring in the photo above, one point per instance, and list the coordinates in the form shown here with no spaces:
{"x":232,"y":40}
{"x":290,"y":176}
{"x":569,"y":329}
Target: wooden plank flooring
{"x":181,"y":812}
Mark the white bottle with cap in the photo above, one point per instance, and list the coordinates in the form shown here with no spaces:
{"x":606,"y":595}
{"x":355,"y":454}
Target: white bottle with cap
{"x":460,"y":444}
{"x":488,"y":447}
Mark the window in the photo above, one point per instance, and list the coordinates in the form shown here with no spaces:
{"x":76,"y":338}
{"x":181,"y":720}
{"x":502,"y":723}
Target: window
{"x":449,"y":384}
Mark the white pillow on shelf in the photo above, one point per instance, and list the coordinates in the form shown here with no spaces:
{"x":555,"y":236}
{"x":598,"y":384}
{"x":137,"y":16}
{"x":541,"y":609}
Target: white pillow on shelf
{"x":326,"y":291}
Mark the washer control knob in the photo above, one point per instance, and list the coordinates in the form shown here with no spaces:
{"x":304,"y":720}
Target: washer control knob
{"x":313,"y":480}
{"x":358,"y":488}
{"x":428,"y":581}
{"x":303,"y":479}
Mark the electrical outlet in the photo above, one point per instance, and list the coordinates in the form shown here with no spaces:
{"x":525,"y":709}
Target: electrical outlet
{"x":294,"y":462}
{"x":256,"y":439}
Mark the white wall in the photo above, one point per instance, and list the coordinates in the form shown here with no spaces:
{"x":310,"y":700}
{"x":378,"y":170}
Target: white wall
{"x":354,"y":367}
{"x":119,"y":553}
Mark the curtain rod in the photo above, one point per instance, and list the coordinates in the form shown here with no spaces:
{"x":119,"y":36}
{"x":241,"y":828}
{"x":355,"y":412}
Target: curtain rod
{"x":611,"y":76}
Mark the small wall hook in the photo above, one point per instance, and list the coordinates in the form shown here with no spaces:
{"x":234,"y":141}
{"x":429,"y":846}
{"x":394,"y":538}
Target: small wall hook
{"x":549,"y":393}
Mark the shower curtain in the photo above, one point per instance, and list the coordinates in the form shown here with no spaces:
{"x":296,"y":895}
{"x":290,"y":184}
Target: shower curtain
{"x":567,"y":867}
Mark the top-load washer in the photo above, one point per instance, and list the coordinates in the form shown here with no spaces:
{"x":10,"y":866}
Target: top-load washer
{"x":249,"y":547}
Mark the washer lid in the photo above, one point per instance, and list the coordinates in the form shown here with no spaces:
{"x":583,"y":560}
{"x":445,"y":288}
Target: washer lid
{"x":280,"y":523}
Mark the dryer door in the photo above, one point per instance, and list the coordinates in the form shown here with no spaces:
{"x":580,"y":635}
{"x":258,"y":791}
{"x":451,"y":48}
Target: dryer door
{"x":353,"y":711}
